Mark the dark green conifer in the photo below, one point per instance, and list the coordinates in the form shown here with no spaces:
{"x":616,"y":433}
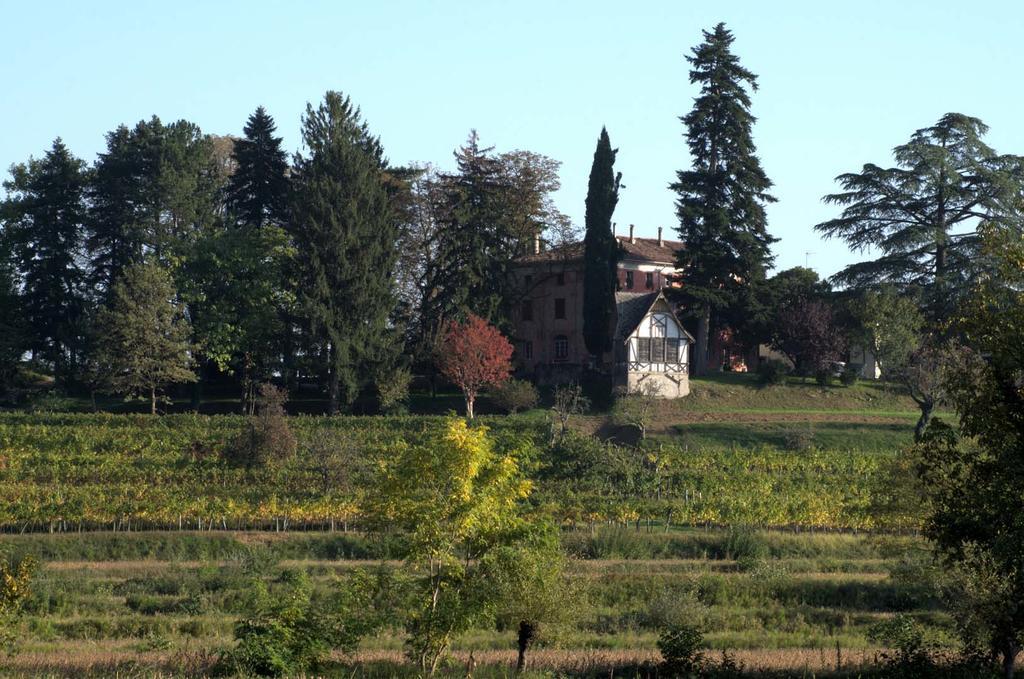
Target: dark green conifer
{"x":257,"y":192}
{"x":600,"y":250}
{"x":345,"y":232}
{"x":721,"y":199}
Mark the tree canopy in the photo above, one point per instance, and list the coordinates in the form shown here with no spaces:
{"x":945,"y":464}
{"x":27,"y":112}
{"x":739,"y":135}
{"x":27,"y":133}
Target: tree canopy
{"x":600,"y":250}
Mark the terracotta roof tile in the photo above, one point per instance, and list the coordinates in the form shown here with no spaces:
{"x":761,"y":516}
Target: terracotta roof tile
{"x":643,"y":249}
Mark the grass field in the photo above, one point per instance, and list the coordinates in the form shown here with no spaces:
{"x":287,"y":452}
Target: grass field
{"x":169,"y":601}
{"x":802,"y":601}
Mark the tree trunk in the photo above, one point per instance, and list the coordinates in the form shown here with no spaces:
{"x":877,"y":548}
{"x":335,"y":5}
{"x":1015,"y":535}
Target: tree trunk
{"x":927,"y":408}
{"x":703,"y":337}
{"x":470,"y":399}
{"x":526,"y":633}
{"x":1010,"y":651}
{"x":333,"y":388}
{"x":152,"y":400}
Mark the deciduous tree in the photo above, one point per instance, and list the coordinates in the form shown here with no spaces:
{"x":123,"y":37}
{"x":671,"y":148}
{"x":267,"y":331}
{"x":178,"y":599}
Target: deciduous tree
{"x":145,"y":335}
{"x":809,"y":336}
{"x":474,"y":355}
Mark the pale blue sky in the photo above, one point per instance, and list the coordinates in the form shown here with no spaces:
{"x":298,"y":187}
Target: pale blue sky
{"x":841,"y":84}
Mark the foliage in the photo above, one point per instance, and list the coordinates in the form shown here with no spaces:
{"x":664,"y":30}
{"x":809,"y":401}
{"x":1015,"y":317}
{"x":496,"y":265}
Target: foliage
{"x":515,"y":395}
{"x":809,"y":336}
{"x":680,"y":647}
{"x":600,"y":250}
{"x":926,"y":375}
{"x":257,"y":191}
{"x":458,"y":499}
{"x":474,"y":355}
{"x":286,"y":631}
{"x":266,"y":436}
{"x":913,"y":653}
{"x":721,"y":199}
{"x":891,"y":325}
{"x":920,"y":213}
{"x":44,"y":219}
{"x":974,"y":484}
{"x":15,"y":590}
{"x":13,"y":331}
{"x":145,"y":335}
{"x":772,"y":371}
{"x":393,"y":389}
{"x":345,"y":232}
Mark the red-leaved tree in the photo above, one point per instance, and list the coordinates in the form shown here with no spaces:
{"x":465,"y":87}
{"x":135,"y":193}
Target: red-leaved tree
{"x":474,"y":355}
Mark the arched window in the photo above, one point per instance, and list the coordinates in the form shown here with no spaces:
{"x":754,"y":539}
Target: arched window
{"x":561,"y":348}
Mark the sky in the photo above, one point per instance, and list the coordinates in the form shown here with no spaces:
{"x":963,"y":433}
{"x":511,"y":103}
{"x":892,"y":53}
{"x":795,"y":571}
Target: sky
{"x":841,"y":84}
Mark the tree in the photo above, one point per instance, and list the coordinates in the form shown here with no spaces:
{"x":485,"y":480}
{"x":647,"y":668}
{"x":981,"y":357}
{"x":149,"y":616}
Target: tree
{"x":45,"y":222}
{"x":153,"y":191}
{"x":266,"y":435}
{"x":257,"y":191}
{"x":569,"y":401}
{"x":535,"y":597}
{"x":345,"y":233}
{"x":474,"y":355}
{"x":921,"y":215}
{"x":459,"y":500}
{"x":892,"y":325}
{"x":973,"y":483}
{"x":809,"y":336}
{"x":721,"y":199}
{"x":13,"y":333}
{"x":600,"y":250}
{"x":15,"y":590}
{"x":638,"y":408}
{"x":756,"y":315}
{"x":146,"y":336}
{"x":926,"y":374}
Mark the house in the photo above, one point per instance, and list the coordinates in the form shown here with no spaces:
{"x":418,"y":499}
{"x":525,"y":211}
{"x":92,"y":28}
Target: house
{"x":652,"y":349}
{"x":548,"y":319}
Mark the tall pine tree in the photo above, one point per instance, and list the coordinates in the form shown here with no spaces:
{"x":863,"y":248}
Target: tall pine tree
{"x":257,"y":192}
{"x":600,"y":250}
{"x":345,"y":232}
{"x":721,"y":199}
{"x":44,"y":219}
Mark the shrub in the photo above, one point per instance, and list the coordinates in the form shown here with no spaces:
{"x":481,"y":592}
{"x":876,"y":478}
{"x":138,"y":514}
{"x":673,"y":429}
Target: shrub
{"x":745,"y":544}
{"x":772,"y":372}
{"x":680,"y":647}
{"x":799,"y":440}
{"x":393,"y":390}
{"x":265,"y":436}
{"x":848,"y":377}
{"x":515,"y":395}
{"x":913,"y":652}
{"x":823,"y":376}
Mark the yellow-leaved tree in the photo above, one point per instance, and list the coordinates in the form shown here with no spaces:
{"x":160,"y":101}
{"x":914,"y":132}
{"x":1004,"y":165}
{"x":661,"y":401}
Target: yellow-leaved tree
{"x":459,"y":501}
{"x":15,"y":581}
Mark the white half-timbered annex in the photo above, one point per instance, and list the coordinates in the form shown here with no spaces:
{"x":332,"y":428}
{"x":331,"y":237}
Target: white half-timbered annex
{"x":652,"y":349}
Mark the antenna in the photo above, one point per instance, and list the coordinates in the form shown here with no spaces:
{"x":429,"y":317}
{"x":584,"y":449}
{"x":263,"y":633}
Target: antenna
{"x":807,"y":257}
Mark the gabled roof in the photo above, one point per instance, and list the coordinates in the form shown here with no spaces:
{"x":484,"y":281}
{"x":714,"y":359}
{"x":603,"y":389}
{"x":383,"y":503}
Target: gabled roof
{"x":633,"y":307}
{"x":640,"y":250}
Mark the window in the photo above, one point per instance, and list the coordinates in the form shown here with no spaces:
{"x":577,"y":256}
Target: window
{"x":657,"y":350}
{"x":561,"y":348}
{"x":560,"y":278}
{"x":650,"y":280}
{"x":527,"y":310}
{"x":643,"y":346}
{"x":560,"y":307}
{"x":527,"y":349}
{"x":629,"y":280}
{"x":672,"y":350}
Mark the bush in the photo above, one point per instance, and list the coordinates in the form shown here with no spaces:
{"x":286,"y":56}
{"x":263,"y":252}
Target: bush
{"x":848,"y":377}
{"x":265,"y":436}
{"x":799,"y":440}
{"x":394,"y":390}
{"x":745,"y":544}
{"x":772,"y":372}
{"x":515,"y":395}
{"x":680,"y":647}
{"x":823,"y":376}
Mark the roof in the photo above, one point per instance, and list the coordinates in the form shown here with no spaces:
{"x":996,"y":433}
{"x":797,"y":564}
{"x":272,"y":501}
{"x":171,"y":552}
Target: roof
{"x":633,"y":307}
{"x":641,"y":249}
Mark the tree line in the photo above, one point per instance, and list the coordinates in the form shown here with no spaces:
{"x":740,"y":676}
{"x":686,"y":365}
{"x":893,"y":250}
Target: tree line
{"x":177,"y":256}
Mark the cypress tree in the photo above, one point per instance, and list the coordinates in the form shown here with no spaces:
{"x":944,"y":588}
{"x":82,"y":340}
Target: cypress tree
{"x":721,"y":199}
{"x":12,"y":325}
{"x":257,"y":192}
{"x":600,"y":250}
{"x":345,"y":232}
{"x":45,"y":216}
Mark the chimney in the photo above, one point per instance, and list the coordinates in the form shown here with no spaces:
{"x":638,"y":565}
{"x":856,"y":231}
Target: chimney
{"x":632,"y":238}
{"x":660,"y":242}
{"x":536,"y":243}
